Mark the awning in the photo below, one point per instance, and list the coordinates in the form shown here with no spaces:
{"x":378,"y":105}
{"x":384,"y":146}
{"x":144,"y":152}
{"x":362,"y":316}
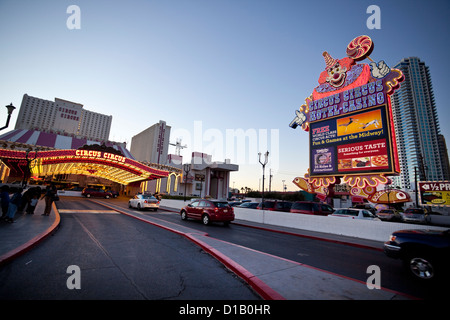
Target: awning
{"x":101,"y":164}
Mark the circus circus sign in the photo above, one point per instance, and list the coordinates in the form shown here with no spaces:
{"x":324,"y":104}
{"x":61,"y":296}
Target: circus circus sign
{"x":349,"y":120}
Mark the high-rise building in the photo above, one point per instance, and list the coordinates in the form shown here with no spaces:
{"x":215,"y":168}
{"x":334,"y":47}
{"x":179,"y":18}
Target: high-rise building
{"x":417,"y":126}
{"x":152,"y":144}
{"x":62,"y":116}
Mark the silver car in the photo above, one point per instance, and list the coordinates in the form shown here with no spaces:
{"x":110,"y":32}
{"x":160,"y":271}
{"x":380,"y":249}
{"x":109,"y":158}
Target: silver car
{"x":389,"y":215}
{"x":354,"y":213}
{"x":415,"y":215}
{"x":143,"y":201}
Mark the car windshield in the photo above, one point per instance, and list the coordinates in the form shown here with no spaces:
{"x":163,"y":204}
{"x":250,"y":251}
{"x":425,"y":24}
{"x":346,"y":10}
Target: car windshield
{"x":367,"y":214}
{"x":269,"y":204}
{"x":414,"y":211}
{"x":221,"y":204}
{"x":351,"y":212}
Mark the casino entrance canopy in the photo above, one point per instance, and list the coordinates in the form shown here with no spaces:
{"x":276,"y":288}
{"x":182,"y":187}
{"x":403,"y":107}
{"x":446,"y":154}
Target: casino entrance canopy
{"x":101,"y":164}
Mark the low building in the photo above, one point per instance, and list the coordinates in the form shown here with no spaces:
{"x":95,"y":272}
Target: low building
{"x":207,"y":178}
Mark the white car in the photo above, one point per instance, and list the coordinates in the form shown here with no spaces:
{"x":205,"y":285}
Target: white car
{"x":354,"y":213}
{"x":143,"y":201}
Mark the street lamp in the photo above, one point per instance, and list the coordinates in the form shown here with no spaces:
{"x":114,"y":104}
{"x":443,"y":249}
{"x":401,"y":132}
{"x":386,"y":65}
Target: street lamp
{"x":266,"y":156}
{"x":187,"y":168}
{"x":10,"y":108}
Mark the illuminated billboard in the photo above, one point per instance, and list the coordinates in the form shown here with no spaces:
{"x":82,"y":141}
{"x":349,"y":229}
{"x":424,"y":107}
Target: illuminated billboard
{"x":434,"y":193}
{"x":349,"y":120}
{"x":354,"y":144}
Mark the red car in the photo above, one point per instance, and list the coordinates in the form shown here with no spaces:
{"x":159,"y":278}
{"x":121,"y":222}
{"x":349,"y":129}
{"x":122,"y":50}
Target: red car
{"x":208,"y":211}
{"x":94,"y":192}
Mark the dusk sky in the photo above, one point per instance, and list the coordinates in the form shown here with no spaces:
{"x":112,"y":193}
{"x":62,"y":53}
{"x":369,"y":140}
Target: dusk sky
{"x":211,"y":69}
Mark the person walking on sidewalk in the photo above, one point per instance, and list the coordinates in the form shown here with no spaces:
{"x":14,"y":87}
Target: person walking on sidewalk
{"x":32,"y":203}
{"x":15,"y":202}
{"x":4,"y":198}
{"x":49,"y":195}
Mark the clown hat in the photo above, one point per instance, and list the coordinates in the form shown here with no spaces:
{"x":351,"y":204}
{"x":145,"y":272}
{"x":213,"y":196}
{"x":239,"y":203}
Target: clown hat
{"x":330,"y":62}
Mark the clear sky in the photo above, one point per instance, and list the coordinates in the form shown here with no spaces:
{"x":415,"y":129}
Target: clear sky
{"x":212,"y":69}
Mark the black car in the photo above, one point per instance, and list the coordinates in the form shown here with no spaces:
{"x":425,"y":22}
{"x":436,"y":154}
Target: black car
{"x":425,"y":253}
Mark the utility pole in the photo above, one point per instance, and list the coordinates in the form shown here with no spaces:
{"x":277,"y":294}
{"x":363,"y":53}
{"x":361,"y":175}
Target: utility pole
{"x":270,"y":180}
{"x":416,"y":191}
{"x":266,"y":156}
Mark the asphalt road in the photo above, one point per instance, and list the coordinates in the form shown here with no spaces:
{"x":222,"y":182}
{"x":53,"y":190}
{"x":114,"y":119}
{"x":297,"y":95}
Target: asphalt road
{"x":123,"y":258}
{"x":118,"y":258}
{"x":345,"y":260}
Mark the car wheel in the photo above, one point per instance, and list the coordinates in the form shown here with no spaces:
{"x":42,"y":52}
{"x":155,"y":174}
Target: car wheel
{"x":183,"y":215}
{"x":129,"y":205}
{"x":88,"y":195}
{"x":106,"y":197}
{"x":139,"y":206}
{"x":205,"y":219}
{"x":421,"y":267}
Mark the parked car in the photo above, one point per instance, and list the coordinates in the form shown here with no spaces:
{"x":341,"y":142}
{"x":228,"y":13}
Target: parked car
{"x":143,"y":201}
{"x":389,"y":215}
{"x":234,"y":203}
{"x":417,"y":215}
{"x":275,"y":205}
{"x":366,"y":206}
{"x":424,"y":252}
{"x":248,"y":205}
{"x":310,"y":207}
{"x":115,"y":194}
{"x":94,"y":192}
{"x":208,"y":211}
{"x":354,"y":213}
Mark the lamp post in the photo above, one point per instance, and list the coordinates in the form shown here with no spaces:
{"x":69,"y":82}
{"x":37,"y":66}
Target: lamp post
{"x":187,"y":168}
{"x":266,"y":156}
{"x":10,"y":108}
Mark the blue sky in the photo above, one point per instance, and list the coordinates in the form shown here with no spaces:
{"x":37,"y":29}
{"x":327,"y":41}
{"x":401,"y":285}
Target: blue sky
{"x":208,"y":66}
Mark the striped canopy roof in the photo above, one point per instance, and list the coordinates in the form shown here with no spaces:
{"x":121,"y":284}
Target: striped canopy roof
{"x":57,"y":141}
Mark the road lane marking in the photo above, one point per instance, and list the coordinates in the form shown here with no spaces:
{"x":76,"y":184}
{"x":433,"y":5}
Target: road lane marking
{"x":87,"y":211}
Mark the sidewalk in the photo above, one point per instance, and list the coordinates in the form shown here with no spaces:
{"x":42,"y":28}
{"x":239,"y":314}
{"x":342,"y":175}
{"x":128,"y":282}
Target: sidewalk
{"x":273,"y":278}
{"x":27,"y":231}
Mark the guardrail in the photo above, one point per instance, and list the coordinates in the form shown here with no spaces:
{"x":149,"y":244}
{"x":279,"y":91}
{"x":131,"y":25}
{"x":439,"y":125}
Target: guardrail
{"x":364,"y":229}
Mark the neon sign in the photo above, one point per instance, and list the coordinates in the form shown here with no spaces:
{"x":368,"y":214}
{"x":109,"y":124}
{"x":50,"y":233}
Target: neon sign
{"x":99,"y":154}
{"x":349,"y":120}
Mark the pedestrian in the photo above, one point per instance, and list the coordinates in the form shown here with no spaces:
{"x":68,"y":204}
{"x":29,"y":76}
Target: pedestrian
{"x":14,"y":203}
{"x":26,"y":198}
{"x":49,"y":195}
{"x":4,"y":198}
{"x":32,"y":203}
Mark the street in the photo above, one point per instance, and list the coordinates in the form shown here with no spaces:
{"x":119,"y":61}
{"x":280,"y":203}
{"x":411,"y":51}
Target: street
{"x":119,"y":258}
{"x":127,"y":259}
